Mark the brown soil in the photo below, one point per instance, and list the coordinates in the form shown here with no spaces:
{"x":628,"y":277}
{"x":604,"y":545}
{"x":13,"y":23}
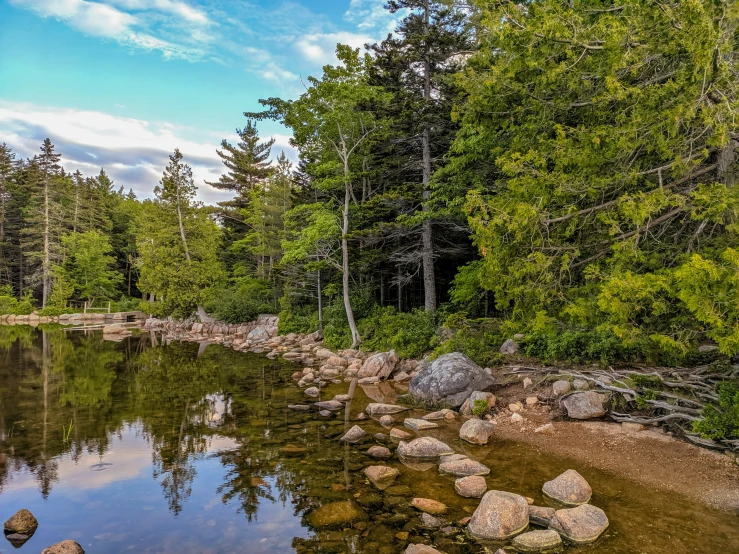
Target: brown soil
{"x":651,"y":457}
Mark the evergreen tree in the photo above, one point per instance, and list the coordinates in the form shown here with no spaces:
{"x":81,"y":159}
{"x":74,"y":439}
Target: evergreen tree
{"x":7,"y":170}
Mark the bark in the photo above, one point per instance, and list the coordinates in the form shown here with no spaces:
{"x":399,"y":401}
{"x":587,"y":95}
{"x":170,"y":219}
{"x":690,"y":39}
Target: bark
{"x":429,"y":276}
{"x":345,"y":259}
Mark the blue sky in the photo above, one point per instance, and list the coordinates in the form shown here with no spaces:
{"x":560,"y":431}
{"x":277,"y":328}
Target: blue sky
{"x":121,"y":83}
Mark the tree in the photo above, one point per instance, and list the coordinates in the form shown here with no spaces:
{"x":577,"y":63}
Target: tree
{"x":332,"y":119}
{"x":177,"y":243}
{"x":7,"y":162}
{"x":88,"y":266}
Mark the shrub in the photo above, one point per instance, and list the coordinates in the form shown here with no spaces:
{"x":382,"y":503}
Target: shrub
{"x":479,"y":407}
{"x":579,"y":347}
{"x":336,"y":332}
{"x":295,"y":318}
{"x":480,"y":339}
{"x":243,"y":301}
{"x":723,"y":422}
{"x":54,"y":311}
{"x":9,"y":304}
{"x":410,"y":334}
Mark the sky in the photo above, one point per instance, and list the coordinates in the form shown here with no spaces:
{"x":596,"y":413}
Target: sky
{"x":120,"y":83}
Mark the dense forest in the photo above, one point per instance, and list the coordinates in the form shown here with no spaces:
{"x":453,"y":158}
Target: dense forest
{"x":567,"y":170}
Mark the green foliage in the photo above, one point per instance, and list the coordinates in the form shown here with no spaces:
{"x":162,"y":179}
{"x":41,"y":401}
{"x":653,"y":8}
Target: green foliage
{"x":480,"y":339}
{"x":10,"y":305}
{"x":579,"y":347}
{"x":721,"y":422}
{"x":242,"y":301}
{"x":410,"y":334}
{"x":336,"y":331}
{"x":52,"y":310}
{"x":479,"y":407}
{"x":296,"y":318}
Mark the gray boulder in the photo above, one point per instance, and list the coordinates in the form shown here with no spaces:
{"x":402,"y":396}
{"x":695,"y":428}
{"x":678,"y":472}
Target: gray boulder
{"x":462,"y":466}
{"x":535,"y":541}
{"x":449,"y":379}
{"x":540,"y":515}
{"x":500,"y":516}
{"x":509,"y":347}
{"x":379,"y":365}
{"x":258,"y":334}
{"x":377,"y":409}
{"x":581,"y":525}
{"x":570,"y":489}
{"x":585,"y":405}
{"x":473,"y":486}
{"x":561,"y":387}
{"x":355,"y":434}
{"x":476,"y":431}
{"x":423,"y":447}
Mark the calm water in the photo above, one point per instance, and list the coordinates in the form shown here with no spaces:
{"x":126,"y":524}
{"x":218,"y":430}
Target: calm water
{"x":142,"y":447}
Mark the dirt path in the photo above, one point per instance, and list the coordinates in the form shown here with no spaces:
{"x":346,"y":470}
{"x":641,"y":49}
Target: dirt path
{"x":651,"y":457}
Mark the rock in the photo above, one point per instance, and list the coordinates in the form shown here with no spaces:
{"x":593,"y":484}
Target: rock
{"x":542,"y":516}
{"x":560,"y":387}
{"x":379,"y":452}
{"x":420,"y":549}
{"x":430,"y":522}
{"x":381,"y":476}
{"x":500,"y":516}
{"x":336,"y":514}
{"x":376,"y":409}
{"x":23,"y":522}
{"x":434,"y":416}
{"x":580,"y":525}
{"x":632,"y":427}
{"x":368,"y":380}
{"x":325,"y":413}
{"x":342,"y":398}
{"x":336,"y":361}
{"x":313,"y":391}
{"x":585,"y":405}
{"x":329,"y":405}
{"x":531,"y":401}
{"x":402,"y":376}
{"x":516,"y":418}
{"x":463,"y":468}
{"x":535,"y":541}
{"x":419,"y":424}
{"x":258,"y":334}
{"x":64,"y":547}
{"x":324,"y":353}
{"x":429,"y":506}
{"x":379,"y":365}
{"x":515,"y":407}
{"x":473,"y":486}
{"x":362,"y":416}
{"x":355,"y":434}
{"x":476,"y":431}
{"x":423,"y":447}
{"x":546,"y":429}
{"x":470,"y":404}
{"x":580,"y":384}
{"x":399,"y":434}
{"x":570,"y":489}
{"x":299,"y":407}
{"x":703,"y":348}
{"x":449,"y":379}
{"x":527,"y":382}
{"x":509,"y":348}
{"x":387,"y":421}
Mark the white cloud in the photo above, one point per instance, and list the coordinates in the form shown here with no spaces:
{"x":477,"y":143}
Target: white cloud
{"x":370,"y":16}
{"x":320,"y":48}
{"x":133,"y":151}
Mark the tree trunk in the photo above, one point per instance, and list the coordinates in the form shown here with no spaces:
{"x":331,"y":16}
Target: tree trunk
{"x":345,"y":259}
{"x":429,"y":276}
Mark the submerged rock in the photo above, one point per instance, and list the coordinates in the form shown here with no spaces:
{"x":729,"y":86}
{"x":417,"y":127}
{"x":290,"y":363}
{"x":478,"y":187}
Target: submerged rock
{"x":463,"y":468}
{"x":379,"y":452}
{"x":585,"y":405}
{"x":64,"y":547}
{"x":580,"y":525}
{"x":419,"y":424}
{"x":542,"y":516}
{"x":420,"y":549}
{"x":399,"y":434}
{"x":429,"y":506}
{"x":535,"y":541}
{"x":423,"y":447}
{"x":387,"y":420}
{"x":377,"y":409}
{"x":570,"y":489}
{"x":312,"y":391}
{"x":500,"y":516}
{"x":449,"y":379}
{"x":23,"y":522}
{"x":431,"y":522}
{"x":355,"y":434}
{"x":299,"y":407}
{"x":336,"y":514}
{"x":472,"y":486}
{"x":381,"y":476}
{"x":476,"y":431}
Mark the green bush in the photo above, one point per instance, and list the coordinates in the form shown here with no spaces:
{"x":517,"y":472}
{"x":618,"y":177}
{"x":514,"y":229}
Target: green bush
{"x":54,"y":311}
{"x":411,"y":334}
{"x":722,"y":422}
{"x":241,"y":302}
{"x":579,"y":347}
{"x":479,"y":407}
{"x":9,"y":304}
{"x":336,"y":332}
{"x":295,"y":318}
{"x":480,"y":339}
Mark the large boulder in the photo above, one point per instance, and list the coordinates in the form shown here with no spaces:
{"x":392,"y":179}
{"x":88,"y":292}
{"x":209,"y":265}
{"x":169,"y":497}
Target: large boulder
{"x":570,"y":489}
{"x":449,"y":379}
{"x":500,"y":516}
{"x":423,"y":447}
{"x":258,"y":334}
{"x":64,"y":547}
{"x":581,"y":525}
{"x":379,"y":365}
{"x":585,"y":405}
{"x":23,"y":522}
{"x":476,"y":431}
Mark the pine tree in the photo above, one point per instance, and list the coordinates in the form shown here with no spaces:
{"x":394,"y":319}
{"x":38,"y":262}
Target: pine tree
{"x":7,"y":163}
